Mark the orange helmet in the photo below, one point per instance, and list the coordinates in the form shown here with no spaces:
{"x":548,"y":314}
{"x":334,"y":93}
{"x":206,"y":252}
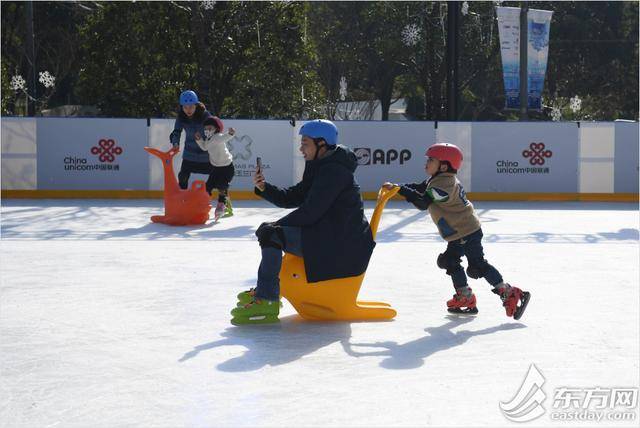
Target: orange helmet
{"x":446,"y":152}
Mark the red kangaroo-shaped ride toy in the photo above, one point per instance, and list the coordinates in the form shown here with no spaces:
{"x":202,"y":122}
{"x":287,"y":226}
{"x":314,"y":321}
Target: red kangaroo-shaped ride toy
{"x":181,"y":207}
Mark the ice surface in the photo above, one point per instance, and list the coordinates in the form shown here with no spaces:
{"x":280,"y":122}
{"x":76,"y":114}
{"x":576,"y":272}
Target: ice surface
{"x":107,"y":320}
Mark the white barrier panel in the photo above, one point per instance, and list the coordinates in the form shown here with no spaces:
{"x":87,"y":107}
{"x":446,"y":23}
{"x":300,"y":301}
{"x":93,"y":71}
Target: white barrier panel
{"x":159,"y":130}
{"x":626,"y":157}
{"x":92,"y":154}
{"x":387,"y":151}
{"x":525,"y":157}
{"x":459,"y":133}
{"x":19,"y":154}
{"x":596,"y":157}
{"x":269,"y":139}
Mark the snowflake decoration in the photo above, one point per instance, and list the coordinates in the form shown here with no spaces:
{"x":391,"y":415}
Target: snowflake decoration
{"x":17,"y":83}
{"x":343,"y":88}
{"x":410,"y":35}
{"x":575,"y":104}
{"x":556,"y":114}
{"x":465,"y":8}
{"x":46,"y":79}
{"x":208,"y":4}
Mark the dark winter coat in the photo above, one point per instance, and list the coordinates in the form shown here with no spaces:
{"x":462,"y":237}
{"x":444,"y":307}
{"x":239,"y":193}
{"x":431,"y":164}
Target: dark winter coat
{"x":336,"y":236}
{"x":192,"y":152}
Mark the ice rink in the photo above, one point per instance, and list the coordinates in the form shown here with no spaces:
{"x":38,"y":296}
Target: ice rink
{"x":107,"y":320}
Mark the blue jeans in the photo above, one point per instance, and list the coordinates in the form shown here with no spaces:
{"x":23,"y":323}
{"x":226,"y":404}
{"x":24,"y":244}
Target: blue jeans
{"x":469,"y":246}
{"x":268,"y":286}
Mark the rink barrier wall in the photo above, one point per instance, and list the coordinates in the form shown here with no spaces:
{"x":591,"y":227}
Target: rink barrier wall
{"x":65,"y":157}
{"x":369,"y":196}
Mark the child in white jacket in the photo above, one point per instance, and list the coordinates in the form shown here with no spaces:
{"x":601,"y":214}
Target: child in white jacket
{"x":222,"y":170}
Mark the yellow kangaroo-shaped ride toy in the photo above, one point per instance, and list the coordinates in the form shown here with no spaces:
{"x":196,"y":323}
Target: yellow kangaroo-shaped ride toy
{"x":335,"y":299}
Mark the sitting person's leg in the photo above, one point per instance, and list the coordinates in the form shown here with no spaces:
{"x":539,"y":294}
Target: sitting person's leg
{"x":262,"y":304}
{"x":273,"y":240}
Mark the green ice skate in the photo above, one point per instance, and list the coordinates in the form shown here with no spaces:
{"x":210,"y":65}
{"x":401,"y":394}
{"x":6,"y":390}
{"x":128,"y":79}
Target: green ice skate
{"x":256,"y":312}
{"x":246,"y":297}
{"x":228,"y":208}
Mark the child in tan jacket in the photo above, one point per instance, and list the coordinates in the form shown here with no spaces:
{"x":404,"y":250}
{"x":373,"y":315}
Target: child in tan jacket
{"x":458,"y":224}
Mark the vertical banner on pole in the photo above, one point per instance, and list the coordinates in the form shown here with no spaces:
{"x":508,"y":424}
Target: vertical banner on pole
{"x":539,"y":24}
{"x":509,"y":31}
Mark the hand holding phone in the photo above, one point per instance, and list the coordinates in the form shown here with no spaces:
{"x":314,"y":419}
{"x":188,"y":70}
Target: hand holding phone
{"x":258,"y":178}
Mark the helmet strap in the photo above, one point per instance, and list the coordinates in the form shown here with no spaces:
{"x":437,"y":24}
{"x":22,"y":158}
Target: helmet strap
{"x":316,"y":141}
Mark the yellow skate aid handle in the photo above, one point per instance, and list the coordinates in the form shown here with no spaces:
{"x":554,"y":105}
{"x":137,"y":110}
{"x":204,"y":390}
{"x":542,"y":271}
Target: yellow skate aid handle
{"x":384,"y":195}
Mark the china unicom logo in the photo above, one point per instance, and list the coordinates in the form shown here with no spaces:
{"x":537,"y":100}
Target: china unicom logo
{"x":526,"y":405}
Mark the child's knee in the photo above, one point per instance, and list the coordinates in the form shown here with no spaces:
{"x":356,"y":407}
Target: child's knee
{"x":478,"y":268}
{"x":448,"y":262}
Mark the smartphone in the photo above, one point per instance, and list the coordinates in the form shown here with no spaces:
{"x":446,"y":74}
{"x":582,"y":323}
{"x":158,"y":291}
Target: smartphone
{"x":259,"y":164}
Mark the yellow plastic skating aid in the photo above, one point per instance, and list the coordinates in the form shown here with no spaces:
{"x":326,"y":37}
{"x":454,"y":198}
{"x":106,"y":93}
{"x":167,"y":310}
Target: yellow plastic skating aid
{"x":336,"y":299}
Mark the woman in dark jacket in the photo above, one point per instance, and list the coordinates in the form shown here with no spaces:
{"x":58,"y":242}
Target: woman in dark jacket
{"x":190,"y":118}
{"x":328,"y":227}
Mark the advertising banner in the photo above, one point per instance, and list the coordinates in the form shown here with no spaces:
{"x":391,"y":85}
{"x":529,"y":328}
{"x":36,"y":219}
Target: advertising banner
{"x":509,"y":31}
{"x":538,"y":25}
{"x":525,"y":157}
{"x":92,"y":154}
{"x":388,"y":151}
{"x":272,"y":140}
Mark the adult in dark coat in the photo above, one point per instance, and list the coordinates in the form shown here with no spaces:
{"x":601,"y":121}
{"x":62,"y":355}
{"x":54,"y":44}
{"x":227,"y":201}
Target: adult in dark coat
{"x":328,"y":227}
{"x":191,"y":115}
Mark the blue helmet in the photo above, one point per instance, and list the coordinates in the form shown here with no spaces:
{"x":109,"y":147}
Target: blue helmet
{"x":321,"y":128}
{"x":188,"y":98}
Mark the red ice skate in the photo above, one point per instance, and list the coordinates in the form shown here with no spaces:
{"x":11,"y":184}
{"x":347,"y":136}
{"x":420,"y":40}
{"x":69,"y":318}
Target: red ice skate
{"x":513,"y":299}
{"x":461,"y":303}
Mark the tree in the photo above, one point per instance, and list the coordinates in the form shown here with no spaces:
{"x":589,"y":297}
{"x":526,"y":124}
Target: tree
{"x":253,"y":60}
{"x":136,"y":58}
{"x":56,"y":40}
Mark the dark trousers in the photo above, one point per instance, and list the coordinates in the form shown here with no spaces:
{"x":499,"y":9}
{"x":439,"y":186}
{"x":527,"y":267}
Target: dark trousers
{"x":219,"y":177}
{"x":268,"y":285}
{"x":469,"y":246}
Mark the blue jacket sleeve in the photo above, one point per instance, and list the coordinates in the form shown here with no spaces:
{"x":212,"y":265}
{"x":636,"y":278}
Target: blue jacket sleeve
{"x":416,"y":193}
{"x":291,"y":197}
{"x":174,"y":137}
{"x":327,"y":185}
